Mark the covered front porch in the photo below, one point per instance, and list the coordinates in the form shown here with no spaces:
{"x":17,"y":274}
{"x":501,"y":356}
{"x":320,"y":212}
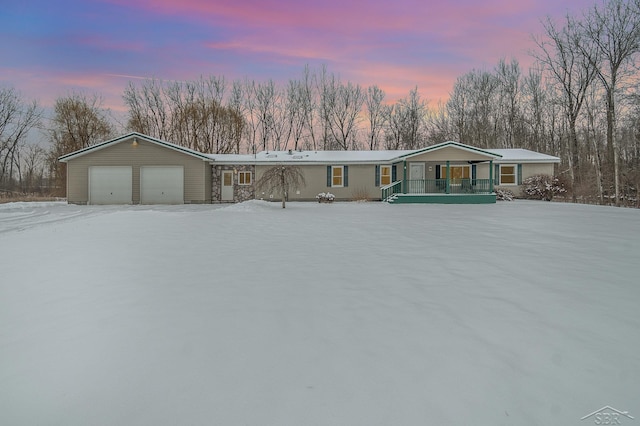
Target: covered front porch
{"x":450,"y":173}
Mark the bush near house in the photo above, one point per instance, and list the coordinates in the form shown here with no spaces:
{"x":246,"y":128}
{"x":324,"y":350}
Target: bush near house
{"x":504,"y":195}
{"x":542,"y":187}
{"x":325,"y":197}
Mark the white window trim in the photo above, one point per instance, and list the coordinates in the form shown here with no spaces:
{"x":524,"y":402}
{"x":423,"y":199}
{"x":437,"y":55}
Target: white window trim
{"x":515,"y":175}
{"x":250,"y":178}
{"x":390,"y":174}
{"x":341,"y":178}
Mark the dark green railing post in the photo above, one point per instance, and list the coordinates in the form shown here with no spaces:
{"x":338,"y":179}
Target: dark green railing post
{"x":448,"y":182}
{"x":490,"y":176}
{"x":404,"y":177}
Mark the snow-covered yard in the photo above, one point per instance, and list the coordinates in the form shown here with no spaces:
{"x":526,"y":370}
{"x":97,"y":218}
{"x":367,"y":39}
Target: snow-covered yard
{"x":520,"y":313}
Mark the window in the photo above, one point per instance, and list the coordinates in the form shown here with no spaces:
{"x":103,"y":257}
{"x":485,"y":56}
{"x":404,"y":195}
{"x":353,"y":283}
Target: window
{"x":244,"y":178}
{"x":456,"y":173}
{"x":507,"y":174}
{"x":227,"y":178}
{"x":337,"y":175}
{"x":385,"y":175}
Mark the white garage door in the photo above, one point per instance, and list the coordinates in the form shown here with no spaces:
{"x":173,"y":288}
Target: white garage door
{"x":110,"y":185}
{"x":162,"y":185}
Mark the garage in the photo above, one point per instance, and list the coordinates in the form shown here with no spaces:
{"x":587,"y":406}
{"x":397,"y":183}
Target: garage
{"x":162,"y":185}
{"x":110,"y":185}
{"x":137,"y":169}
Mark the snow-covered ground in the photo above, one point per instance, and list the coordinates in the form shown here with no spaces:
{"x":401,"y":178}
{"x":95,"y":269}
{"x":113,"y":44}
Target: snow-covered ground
{"x":521,"y":313}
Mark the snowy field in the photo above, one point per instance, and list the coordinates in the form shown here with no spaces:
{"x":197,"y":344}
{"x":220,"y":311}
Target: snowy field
{"x":521,"y":313}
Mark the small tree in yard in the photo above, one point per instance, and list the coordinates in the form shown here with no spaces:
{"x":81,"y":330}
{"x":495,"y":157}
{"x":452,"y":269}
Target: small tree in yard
{"x":279,"y":179}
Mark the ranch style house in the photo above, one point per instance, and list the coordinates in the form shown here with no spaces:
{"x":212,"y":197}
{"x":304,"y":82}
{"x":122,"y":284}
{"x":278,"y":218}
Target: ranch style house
{"x":138,"y":169}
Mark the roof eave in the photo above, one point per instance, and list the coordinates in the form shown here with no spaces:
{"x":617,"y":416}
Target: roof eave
{"x":67,"y":157}
{"x":490,"y":155}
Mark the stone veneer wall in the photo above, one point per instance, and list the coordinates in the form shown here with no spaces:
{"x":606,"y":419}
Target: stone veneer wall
{"x":240,"y":192}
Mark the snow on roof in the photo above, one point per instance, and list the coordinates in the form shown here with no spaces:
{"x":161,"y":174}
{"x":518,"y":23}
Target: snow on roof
{"x":134,"y":135}
{"x":325,"y":157}
{"x":312,"y":157}
{"x":365,"y":157}
{"x":520,"y":155}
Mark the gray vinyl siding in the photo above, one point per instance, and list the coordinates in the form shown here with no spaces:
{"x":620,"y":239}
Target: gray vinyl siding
{"x":362,"y":183}
{"x":197,"y":172}
{"x":528,"y":170}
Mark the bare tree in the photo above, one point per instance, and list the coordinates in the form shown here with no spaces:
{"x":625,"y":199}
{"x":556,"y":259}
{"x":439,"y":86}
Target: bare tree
{"x":282,"y":117}
{"x":535,"y":100}
{"x":250,"y":107}
{"x":280,"y":179}
{"x":457,"y":109}
{"x":326,"y":86}
{"x":472,"y":106}
{"x":561,"y":52}
{"x":613,"y":32}
{"x":343,"y":112}
{"x":265,"y":97}
{"x":17,"y":118}
{"x":309,"y":105}
{"x":592,"y":129}
{"x":79,"y":121}
{"x":394,"y":118}
{"x":189,"y":113}
{"x":414,"y":110}
{"x":438,"y":124}
{"x":508,"y":75}
{"x":148,"y":112}
{"x":375,"y":116}
{"x":33,"y":166}
{"x":296,"y":107}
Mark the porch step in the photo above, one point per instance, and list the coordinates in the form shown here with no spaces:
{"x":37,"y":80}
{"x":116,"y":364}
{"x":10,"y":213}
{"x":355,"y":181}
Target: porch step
{"x":442,"y":199}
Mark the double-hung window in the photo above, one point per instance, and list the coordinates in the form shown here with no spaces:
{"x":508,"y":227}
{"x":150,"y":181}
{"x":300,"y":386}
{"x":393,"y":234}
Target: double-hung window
{"x":244,"y":178}
{"x":385,"y":175}
{"x":337,"y":176}
{"x":508,"y":173}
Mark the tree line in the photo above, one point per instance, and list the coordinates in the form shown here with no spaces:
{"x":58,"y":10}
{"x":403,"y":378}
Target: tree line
{"x":579,"y":101}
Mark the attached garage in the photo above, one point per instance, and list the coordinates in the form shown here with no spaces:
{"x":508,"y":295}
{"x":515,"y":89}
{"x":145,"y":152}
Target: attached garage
{"x":110,"y":185}
{"x":161,"y":185}
{"x":137,"y":169}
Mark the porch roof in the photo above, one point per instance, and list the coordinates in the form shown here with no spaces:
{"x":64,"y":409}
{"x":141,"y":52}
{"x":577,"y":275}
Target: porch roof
{"x":451,"y":144}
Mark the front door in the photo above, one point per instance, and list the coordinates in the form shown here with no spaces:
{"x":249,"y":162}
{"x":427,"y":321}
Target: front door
{"x":227,"y":185}
{"x":416,"y":178}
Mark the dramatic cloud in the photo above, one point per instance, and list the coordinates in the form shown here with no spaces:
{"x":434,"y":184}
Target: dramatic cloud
{"x":100,"y":46}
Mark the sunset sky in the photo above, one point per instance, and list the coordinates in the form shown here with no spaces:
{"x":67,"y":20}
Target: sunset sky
{"x":48,"y":49}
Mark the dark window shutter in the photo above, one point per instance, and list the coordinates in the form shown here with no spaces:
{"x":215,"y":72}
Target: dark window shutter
{"x":377,"y":175}
{"x":437,"y":171}
{"x":496,"y":176}
{"x":474,"y":173}
{"x":394,"y":173}
{"x":519,"y":174}
{"x":346,"y":176}
{"x":329,"y":176}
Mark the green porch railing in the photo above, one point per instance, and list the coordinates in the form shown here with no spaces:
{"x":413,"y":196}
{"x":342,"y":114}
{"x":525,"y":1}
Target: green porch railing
{"x":389,"y":190}
{"x":456,"y":186}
